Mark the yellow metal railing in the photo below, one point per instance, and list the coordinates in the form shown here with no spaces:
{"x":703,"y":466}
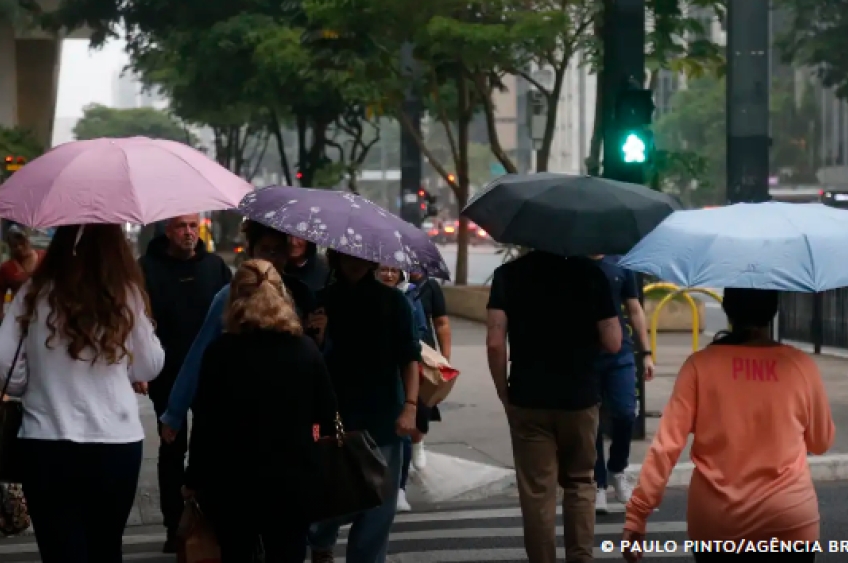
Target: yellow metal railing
{"x":675,"y":291}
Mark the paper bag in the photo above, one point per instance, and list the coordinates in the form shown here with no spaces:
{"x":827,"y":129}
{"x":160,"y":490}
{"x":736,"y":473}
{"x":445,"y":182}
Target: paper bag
{"x":198,"y":543}
{"x":437,"y":377}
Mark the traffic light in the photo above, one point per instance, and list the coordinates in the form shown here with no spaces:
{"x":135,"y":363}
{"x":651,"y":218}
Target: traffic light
{"x":451,"y":178}
{"x":299,"y":175}
{"x":427,"y":203}
{"x":634,"y":109}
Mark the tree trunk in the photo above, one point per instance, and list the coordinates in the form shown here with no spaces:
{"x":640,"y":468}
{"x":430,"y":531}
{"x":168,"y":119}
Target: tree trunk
{"x":463,"y":180}
{"x":543,"y":156}
{"x":593,"y":161}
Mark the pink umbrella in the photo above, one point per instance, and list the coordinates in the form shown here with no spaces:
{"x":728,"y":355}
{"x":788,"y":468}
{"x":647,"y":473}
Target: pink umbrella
{"x":135,"y":180}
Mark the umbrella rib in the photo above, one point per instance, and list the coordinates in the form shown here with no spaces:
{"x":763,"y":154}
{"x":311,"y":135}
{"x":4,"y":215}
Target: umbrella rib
{"x":132,"y":186}
{"x":807,"y":244}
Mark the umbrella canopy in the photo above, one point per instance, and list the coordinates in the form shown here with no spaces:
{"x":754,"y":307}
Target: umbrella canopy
{"x":780,"y":246}
{"x":347,"y":223}
{"x":568,"y":215}
{"x":135,"y":180}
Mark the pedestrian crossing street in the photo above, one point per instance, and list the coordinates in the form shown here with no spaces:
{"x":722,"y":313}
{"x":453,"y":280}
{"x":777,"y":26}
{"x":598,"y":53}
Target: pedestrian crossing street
{"x":479,"y":535}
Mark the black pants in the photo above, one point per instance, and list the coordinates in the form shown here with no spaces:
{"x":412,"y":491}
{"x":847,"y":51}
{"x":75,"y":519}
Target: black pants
{"x":242,"y":533}
{"x":170,"y":466}
{"x":720,"y":557}
{"x":79,"y":498}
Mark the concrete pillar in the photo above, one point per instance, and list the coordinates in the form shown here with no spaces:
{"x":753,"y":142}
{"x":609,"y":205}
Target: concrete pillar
{"x":37,"y":85}
{"x":8,"y":76}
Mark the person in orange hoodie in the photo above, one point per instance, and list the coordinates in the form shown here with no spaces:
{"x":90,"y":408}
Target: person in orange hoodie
{"x":756,"y":408}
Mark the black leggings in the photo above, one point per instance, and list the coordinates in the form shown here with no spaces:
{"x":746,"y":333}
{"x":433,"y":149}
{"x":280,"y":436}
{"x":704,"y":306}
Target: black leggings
{"x":79,"y":497}
{"x":755,"y":557}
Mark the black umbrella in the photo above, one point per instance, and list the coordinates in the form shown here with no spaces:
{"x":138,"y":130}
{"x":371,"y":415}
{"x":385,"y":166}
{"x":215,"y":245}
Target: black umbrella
{"x":569,"y":215}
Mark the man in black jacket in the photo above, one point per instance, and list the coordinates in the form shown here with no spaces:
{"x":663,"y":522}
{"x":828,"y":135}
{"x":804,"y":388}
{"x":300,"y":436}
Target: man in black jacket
{"x":182,"y":278}
{"x":305,"y":263}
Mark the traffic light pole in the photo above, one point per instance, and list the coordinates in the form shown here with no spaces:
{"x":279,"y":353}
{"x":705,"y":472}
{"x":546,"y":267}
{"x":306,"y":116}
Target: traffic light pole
{"x":623,"y":68}
{"x":410,"y":154}
{"x":748,"y":84}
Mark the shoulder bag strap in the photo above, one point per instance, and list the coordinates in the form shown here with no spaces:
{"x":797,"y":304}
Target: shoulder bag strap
{"x":12,"y":366}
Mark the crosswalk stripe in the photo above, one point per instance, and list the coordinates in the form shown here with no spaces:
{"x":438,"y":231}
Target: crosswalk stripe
{"x":517,"y":532}
{"x":476,"y":555}
{"x":453,"y":530}
{"x":482,"y":513}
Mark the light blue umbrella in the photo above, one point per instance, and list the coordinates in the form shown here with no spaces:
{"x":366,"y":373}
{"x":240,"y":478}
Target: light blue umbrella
{"x":782,"y":246}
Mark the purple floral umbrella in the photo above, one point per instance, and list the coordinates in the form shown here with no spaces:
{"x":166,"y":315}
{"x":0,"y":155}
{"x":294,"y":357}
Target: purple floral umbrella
{"x":347,"y":223}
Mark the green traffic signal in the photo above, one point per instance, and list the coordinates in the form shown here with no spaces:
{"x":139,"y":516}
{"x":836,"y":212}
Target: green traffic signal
{"x":634,"y":149}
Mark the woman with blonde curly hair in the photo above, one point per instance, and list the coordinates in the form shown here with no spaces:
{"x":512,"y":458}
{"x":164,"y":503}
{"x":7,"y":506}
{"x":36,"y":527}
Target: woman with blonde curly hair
{"x":79,"y":336}
{"x":262,"y":388}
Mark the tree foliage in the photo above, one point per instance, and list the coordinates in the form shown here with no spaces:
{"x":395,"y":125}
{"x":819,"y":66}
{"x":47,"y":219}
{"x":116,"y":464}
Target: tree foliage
{"x":692,"y":139}
{"x":102,"y":121}
{"x":15,"y":141}
{"x":816,"y":36}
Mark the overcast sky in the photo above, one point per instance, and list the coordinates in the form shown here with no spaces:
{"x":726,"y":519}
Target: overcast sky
{"x":86,"y":76}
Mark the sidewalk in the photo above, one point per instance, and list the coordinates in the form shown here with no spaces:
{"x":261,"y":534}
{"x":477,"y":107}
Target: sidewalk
{"x":469,"y":453}
{"x":475,"y":426}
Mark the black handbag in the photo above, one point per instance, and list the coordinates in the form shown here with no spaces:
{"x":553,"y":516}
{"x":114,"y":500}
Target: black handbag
{"x":349,"y":475}
{"x":11,"y":416}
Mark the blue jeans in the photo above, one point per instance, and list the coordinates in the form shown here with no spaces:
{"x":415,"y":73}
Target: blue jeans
{"x":368,"y":540}
{"x":618,"y":391}
{"x":406,"y":462}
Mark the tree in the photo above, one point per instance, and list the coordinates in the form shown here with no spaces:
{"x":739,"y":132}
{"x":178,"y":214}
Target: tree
{"x":692,"y":139}
{"x":456,"y":47}
{"x":234,"y":65}
{"x":816,"y":36}
{"x":101,"y":121}
{"x":15,"y":141}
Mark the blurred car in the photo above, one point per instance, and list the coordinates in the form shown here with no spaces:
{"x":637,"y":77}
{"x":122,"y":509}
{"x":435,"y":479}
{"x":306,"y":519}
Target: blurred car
{"x":478,"y":236}
{"x":447,"y":232}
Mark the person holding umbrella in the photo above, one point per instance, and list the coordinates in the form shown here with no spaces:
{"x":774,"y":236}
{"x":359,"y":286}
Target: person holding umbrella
{"x":756,"y":408}
{"x":372,"y":352}
{"x":82,"y":328}
{"x":548,"y":383}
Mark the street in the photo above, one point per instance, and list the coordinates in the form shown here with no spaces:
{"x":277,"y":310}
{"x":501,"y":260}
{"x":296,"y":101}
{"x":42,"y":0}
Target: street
{"x":490,"y":531}
{"x":482,"y":261}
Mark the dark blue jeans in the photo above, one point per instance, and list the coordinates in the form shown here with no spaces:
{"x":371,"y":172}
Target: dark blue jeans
{"x":368,"y":539}
{"x":618,"y":391}
{"x":407,"y":461}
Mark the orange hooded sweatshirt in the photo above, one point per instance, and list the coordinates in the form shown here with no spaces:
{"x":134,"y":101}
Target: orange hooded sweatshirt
{"x":755,"y":412}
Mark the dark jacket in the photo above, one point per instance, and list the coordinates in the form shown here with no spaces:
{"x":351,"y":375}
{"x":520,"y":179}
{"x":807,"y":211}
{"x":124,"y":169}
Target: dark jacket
{"x":314,"y":271}
{"x":181,"y":292}
{"x":371,"y":336}
{"x":263,"y":440}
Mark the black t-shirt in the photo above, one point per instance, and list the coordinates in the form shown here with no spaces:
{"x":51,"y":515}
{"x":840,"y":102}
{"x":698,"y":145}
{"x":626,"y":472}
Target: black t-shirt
{"x":429,"y":292}
{"x":553,"y":306}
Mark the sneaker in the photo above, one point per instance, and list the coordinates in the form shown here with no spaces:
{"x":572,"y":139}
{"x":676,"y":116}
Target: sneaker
{"x":402,"y":503}
{"x":419,"y":456}
{"x":601,"y":502}
{"x":622,"y":486}
{"x":321,"y":556}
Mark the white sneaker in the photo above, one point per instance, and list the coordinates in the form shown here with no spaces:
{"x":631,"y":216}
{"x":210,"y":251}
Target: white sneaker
{"x":601,"y":502}
{"x":419,"y":456}
{"x":622,"y":486}
{"x":402,"y":503}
